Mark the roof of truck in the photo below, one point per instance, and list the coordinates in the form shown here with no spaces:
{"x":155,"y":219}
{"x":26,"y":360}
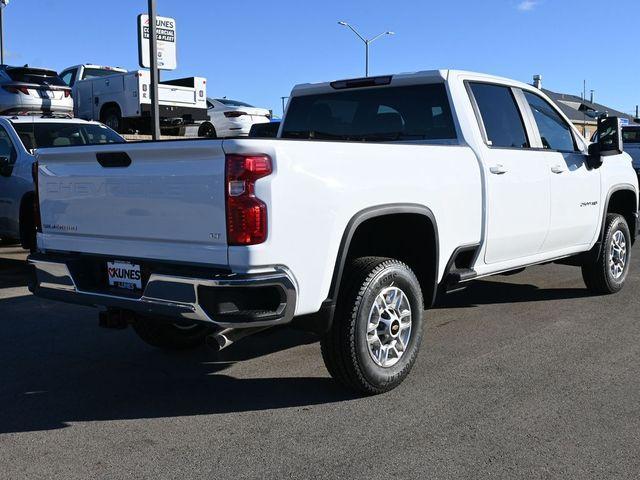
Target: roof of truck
{"x":410,"y":77}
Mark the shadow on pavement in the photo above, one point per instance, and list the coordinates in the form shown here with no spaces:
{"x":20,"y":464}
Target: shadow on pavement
{"x":483,"y":292}
{"x":58,"y":367}
{"x":14,"y":272}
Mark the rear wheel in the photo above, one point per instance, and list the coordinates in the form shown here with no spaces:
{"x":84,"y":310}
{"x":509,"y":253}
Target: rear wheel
{"x":170,"y":336}
{"x":606,"y":271}
{"x":374,"y":340}
{"x":112,"y":118}
{"x":207,"y":130}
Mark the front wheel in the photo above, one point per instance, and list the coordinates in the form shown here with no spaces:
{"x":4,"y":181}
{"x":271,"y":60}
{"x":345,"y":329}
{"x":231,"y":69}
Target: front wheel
{"x":374,"y":340}
{"x":607,"y":271}
{"x":170,"y":336}
{"x":207,"y":130}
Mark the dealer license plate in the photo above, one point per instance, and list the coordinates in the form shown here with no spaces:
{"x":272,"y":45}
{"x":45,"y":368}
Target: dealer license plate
{"x":124,"y":275}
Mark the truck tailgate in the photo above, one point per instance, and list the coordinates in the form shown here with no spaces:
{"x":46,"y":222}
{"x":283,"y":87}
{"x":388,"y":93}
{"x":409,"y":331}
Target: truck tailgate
{"x":168,"y":203}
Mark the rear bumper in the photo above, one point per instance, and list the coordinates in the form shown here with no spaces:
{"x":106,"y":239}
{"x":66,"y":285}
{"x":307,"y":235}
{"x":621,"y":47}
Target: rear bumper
{"x":222,"y":299}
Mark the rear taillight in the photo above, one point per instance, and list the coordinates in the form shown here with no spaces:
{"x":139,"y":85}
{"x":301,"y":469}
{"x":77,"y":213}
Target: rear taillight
{"x":67,"y":93}
{"x":246,"y":213}
{"x":234,"y":114}
{"x":14,"y":89}
{"x":36,"y":199}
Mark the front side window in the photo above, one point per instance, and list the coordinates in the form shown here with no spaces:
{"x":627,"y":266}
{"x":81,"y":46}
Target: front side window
{"x":500,"y":116}
{"x":416,"y":112}
{"x":555,"y":132}
{"x":68,"y":77}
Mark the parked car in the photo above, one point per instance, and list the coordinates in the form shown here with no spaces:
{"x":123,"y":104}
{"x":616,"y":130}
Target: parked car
{"x":33,"y":90}
{"x":378,"y":193}
{"x":19,"y":138}
{"x":121,"y":99}
{"x":231,"y":118}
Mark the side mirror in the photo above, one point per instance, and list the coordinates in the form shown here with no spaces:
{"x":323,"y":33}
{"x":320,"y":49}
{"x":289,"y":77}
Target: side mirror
{"x":609,"y":141}
{"x":6,"y":166}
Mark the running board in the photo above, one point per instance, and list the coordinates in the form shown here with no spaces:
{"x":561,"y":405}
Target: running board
{"x":456,"y":279}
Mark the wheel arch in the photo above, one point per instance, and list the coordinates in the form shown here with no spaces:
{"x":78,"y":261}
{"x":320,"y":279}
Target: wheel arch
{"x":621,"y":199}
{"x":382,"y":213}
{"x":107,"y":105}
{"x":321,"y":321}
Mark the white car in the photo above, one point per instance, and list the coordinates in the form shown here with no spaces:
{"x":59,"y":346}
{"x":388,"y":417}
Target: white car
{"x":20,"y":136}
{"x":378,"y":193}
{"x":231,"y":118}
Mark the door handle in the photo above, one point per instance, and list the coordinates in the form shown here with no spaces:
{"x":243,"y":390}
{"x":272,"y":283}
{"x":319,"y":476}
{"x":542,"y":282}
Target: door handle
{"x":498,"y":169}
{"x":557,"y":169}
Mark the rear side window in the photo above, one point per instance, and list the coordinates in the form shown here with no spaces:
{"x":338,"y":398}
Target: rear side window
{"x":417,"y":112}
{"x":555,"y":133}
{"x":35,"y":76}
{"x":500,"y":116}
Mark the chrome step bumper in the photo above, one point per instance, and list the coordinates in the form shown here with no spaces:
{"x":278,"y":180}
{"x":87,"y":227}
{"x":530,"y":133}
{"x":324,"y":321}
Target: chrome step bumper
{"x":220,"y":300}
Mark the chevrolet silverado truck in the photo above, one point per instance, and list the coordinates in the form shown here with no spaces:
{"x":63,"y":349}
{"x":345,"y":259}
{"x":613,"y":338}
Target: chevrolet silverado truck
{"x":377,"y":194}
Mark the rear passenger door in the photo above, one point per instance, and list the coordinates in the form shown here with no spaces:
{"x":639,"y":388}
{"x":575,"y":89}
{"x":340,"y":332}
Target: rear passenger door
{"x":517,"y":176}
{"x":575,"y":188}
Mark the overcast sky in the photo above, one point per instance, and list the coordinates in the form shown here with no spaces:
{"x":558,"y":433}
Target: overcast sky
{"x":256,"y":50}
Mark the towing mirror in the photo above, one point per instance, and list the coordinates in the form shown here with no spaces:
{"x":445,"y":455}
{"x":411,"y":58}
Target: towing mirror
{"x":6,"y":166}
{"x":609,"y":140}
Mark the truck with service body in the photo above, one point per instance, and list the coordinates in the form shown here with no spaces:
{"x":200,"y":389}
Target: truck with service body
{"x":121,"y":99}
{"x":377,"y":194}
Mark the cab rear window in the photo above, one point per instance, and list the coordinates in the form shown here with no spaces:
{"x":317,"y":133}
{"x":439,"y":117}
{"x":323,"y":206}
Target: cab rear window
{"x":417,"y":112}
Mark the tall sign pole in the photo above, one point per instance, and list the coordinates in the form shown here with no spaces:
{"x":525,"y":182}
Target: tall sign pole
{"x":153,"y":54}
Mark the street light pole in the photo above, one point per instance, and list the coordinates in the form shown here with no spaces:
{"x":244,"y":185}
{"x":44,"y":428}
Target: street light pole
{"x":3,"y":3}
{"x":367,"y":42}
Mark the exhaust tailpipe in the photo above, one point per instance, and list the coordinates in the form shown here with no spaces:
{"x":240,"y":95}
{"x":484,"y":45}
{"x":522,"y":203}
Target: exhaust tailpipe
{"x":222,"y":339}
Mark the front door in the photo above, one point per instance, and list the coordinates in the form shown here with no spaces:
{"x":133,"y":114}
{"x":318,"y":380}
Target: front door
{"x":575,"y":188}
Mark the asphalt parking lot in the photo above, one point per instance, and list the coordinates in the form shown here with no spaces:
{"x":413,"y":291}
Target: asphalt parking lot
{"x":519,"y":377}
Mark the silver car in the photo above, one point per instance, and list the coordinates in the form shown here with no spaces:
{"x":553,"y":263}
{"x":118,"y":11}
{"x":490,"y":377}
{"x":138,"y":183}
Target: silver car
{"x":27,"y":90}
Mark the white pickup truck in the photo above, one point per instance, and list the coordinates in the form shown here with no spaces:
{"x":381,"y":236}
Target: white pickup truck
{"x":377,"y":194}
{"x":121,"y":99}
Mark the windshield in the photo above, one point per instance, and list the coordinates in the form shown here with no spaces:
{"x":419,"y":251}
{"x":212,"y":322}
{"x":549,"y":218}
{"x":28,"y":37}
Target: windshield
{"x":44,"y":135}
{"x":631,"y":135}
{"x":232,"y":103}
{"x":35,"y":76}
{"x":417,"y":112}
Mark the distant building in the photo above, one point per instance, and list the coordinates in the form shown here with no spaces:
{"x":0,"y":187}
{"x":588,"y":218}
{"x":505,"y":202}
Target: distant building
{"x":576,"y":108}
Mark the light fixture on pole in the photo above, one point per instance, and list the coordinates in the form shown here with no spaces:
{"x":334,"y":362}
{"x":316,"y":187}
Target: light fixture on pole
{"x":3,"y":3}
{"x":367,"y":42}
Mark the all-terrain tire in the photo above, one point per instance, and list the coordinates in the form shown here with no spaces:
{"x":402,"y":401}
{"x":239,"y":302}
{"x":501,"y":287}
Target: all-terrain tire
{"x":597,"y":271}
{"x":345,"y":347}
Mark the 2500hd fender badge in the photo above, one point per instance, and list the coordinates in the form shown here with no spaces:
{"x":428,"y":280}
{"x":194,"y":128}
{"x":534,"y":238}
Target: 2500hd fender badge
{"x":60,"y":228}
{"x":589,"y":204}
